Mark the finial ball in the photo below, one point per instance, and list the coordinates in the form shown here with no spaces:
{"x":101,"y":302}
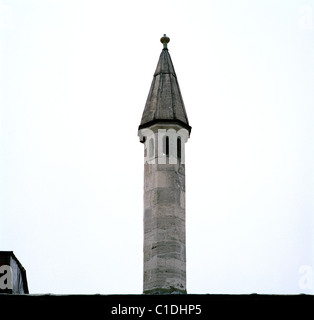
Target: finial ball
{"x":164,"y":40}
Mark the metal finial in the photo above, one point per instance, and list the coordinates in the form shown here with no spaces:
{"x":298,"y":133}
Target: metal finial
{"x":164,"y":40}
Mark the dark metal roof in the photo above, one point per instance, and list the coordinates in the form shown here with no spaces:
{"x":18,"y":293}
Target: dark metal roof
{"x":164,"y":102}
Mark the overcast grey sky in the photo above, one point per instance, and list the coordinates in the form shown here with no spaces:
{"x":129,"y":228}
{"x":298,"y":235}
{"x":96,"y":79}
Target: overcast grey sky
{"x":74,"y":78}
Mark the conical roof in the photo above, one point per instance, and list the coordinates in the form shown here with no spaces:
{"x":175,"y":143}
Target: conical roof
{"x":164,"y":102}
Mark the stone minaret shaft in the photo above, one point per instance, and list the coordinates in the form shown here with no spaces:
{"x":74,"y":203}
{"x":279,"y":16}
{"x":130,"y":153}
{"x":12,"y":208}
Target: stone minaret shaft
{"x":164,"y":130}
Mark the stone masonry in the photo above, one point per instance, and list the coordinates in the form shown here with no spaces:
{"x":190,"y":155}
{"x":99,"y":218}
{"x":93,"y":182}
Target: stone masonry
{"x":164,"y":227}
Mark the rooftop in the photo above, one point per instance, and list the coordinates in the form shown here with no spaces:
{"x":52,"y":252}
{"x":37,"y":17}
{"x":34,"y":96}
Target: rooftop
{"x":164,"y":102}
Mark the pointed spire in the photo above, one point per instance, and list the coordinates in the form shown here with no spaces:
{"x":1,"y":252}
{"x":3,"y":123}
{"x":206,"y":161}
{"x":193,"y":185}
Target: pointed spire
{"x":164,"y":102}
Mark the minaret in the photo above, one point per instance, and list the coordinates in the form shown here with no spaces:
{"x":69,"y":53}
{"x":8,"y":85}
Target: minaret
{"x":164,"y":130}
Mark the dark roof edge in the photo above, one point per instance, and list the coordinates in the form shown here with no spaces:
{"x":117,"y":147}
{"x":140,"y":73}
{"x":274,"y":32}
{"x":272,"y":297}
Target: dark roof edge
{"x":179,"y":122}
